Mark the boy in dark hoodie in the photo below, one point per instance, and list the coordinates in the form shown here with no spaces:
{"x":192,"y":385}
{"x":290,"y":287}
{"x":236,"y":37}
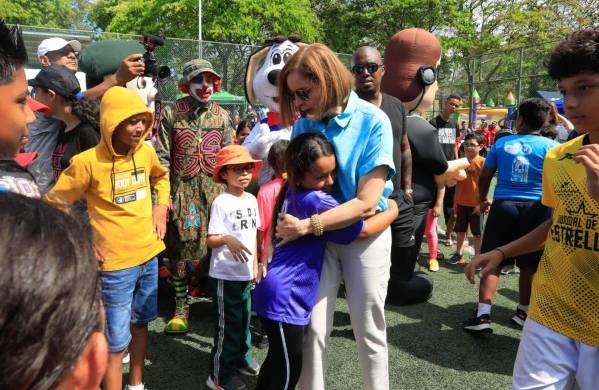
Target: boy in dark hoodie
{"x":115,"y":178}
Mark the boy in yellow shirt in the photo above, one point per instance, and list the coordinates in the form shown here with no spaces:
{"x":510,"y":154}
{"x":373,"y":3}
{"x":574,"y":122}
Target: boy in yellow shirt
{"x":115,"y":178}
{"x":560,"y":340}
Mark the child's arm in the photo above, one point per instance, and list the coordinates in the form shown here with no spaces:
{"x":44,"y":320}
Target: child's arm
{"x":588,"y":156}
{"x":162,"y":186}
{"x":71,"y":185}
{"x":236,"y":247}
{"x":533,"y":241}
{"x":380,"y":221}
{"x":484,"y":182}
{"x":440,"y":195}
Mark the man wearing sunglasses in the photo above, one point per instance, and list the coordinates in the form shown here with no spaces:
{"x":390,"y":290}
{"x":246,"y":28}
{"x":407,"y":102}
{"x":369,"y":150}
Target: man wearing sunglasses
{"x":368,"y":71}
{"x":43,"y":133}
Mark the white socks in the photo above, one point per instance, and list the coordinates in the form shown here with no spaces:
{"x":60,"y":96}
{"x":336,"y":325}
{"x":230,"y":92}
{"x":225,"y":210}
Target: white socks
{"x":483,"y":308}
{"x":524,"y":308}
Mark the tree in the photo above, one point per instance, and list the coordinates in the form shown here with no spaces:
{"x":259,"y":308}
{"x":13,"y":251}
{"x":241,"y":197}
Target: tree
{"x":235,"y":21}
{"x":47,"y":13}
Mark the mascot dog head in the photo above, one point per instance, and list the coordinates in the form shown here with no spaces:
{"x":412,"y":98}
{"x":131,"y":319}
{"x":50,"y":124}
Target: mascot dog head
{"x":261,"y":84}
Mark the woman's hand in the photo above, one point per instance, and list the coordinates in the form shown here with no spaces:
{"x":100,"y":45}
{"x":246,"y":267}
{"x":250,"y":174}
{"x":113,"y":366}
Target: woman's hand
{"x":159,"y":216}
{"x":238,"y":250}
{"x":290,"y":228}
{"x":488,"y":261}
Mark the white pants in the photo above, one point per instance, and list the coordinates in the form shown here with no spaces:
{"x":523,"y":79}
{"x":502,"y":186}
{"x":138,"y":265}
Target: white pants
{"x":364,"y":266}
{"x":549,"y":360}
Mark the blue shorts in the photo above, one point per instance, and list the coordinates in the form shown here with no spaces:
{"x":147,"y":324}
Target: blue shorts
{"x":130,"y":297}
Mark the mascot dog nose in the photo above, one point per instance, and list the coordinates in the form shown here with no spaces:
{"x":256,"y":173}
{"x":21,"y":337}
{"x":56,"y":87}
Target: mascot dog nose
{"x":273,"y":75}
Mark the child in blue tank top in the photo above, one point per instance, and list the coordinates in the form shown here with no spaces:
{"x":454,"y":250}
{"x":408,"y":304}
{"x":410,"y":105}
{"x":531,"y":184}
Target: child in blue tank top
{"x":285,"y":297}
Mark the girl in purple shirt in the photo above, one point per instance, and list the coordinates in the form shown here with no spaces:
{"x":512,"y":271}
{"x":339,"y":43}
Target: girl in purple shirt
{"x":285,"y":297}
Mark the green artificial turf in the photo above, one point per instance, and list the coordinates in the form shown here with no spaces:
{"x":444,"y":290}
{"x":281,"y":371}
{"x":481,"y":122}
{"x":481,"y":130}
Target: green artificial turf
{"x":427,"y":347}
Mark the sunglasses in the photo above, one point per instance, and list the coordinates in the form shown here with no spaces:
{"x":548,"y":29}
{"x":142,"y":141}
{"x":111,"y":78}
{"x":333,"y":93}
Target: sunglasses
{"x":372,"y":67}
{"x":65,"y":51}
{"x":302,"y":94}
{"x":242,"y":168}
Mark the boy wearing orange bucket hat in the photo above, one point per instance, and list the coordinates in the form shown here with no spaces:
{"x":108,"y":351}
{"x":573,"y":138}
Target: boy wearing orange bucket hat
{"x":232,"y":232}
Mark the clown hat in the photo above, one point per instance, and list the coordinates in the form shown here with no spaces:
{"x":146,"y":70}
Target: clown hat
{"x":234,"y":155}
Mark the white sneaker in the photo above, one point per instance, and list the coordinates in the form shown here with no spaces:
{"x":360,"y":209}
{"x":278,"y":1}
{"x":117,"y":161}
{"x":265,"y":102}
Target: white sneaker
{"x":126,"y":358}
{"x":143,"y":387}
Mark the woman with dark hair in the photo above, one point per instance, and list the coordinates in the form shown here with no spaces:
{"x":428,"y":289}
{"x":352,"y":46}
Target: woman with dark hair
{"x":50,"y":314}
{"x":57,"y":87}
{"x":316,"y":83}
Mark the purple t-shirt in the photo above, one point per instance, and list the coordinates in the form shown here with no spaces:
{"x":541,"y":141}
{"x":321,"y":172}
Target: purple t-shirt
{"x":289,"y":291}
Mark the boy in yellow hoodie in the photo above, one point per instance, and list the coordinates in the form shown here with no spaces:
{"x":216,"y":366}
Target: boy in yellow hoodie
{"x":115,"y":178}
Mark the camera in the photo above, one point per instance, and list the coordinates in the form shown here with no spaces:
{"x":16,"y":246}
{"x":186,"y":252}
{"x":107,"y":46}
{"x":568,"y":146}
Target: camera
{"x":153,"y":69}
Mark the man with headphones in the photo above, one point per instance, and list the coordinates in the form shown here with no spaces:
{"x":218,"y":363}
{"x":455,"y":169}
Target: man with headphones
{"x":411,"y":60}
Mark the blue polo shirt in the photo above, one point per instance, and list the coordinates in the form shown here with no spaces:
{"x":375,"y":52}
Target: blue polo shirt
{"x":363,"y":140}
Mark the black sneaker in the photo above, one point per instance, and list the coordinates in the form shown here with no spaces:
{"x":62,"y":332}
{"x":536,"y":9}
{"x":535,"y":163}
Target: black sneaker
{"x":252,"y":369}
{"x":456,"y":259}
{"x":234,"y":383}
{"x":480,"y":324}
{"x":519,"y":317}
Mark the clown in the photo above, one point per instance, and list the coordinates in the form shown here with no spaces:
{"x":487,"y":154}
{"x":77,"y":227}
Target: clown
{"x":261,"y":87}
{"x":192,"y":132}
{"x":411,"y":60}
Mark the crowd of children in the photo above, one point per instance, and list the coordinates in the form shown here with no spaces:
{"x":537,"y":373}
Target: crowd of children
{"x":323,"y":218}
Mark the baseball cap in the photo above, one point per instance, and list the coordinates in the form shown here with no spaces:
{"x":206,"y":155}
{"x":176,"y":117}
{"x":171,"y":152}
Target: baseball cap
{"x":60,"y":79}
{"x":232,"y":155}
{"x":52,"y":44}
{"x":195,"y":67}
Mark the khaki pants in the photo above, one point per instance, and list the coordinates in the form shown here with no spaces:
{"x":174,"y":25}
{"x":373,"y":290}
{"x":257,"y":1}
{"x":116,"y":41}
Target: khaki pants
{"x":364,"y":266}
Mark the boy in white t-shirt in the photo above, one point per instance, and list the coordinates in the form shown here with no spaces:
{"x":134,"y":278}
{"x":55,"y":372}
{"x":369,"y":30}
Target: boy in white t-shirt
{"x":232,"y":232}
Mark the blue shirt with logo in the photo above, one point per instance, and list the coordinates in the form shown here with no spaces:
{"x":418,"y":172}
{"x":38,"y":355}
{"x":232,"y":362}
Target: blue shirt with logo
{"x":363,"y":140}
{"x":519,"y":162}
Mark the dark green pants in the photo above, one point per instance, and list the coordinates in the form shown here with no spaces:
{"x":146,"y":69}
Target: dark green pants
{"x":232,"y":338}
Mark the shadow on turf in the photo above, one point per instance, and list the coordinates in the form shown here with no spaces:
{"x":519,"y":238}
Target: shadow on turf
{"x":438,"y":338}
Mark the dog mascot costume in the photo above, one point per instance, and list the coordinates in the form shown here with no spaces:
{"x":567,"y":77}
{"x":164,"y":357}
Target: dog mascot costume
{"x":192,"y":131}
{"x":261,"y":87}
{"x":411,"y":60}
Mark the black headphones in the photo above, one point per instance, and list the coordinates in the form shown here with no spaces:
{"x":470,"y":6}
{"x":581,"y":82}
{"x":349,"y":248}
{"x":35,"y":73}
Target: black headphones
{"x":427,"y":75}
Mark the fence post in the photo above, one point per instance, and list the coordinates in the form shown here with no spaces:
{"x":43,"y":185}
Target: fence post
{"x":519,"y":84}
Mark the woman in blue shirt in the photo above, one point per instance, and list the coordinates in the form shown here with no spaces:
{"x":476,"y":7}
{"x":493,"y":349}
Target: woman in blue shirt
{"x":316,"y":83}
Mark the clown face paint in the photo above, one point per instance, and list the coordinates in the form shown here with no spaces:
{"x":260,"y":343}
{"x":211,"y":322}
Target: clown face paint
{"x":202,"y":87}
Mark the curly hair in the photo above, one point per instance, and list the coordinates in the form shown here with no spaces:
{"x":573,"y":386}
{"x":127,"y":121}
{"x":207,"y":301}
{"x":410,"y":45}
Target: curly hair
{"x":579,"y":53}
{"x":88,"y":111}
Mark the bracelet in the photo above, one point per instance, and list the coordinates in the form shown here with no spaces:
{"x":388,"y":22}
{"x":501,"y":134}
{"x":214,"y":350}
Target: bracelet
{"x":316,"y":225}
{"x":502,"y":253}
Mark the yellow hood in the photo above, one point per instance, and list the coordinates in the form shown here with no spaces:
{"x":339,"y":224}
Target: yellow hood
{"x":117,"y":105}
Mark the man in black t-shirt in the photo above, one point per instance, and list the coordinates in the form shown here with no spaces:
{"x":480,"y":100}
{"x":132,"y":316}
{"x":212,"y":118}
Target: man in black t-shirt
{"x":449,"y":133}
{"x":405,"y":285}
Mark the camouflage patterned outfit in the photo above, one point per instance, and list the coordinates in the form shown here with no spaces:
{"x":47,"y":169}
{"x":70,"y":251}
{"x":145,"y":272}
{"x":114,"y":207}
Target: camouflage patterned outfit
{"x":191,"y":135}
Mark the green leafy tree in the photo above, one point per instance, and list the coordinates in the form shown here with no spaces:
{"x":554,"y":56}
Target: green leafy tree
{"x":47,"y":13}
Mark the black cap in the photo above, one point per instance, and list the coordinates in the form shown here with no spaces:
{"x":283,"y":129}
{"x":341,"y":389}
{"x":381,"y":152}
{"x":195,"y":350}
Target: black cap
{"x":60,"y":79}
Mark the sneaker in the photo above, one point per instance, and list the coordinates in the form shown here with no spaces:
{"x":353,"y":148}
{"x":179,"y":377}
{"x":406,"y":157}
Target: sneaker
{"x":519,"y":317}
{"x":456,"y":259}
{"x":195,"y":295}
{"x":126,"y":358}
{"x":480,"y":324}
{"x":433,"y":265}
{"x":179,"y":324}
{"x":263,"y":343}
{"x":127,"y":387}
{"x":448,"y":242}
{"x":252,"y":369}
{"x":510,"y":269}
{"x":234,"y":383}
